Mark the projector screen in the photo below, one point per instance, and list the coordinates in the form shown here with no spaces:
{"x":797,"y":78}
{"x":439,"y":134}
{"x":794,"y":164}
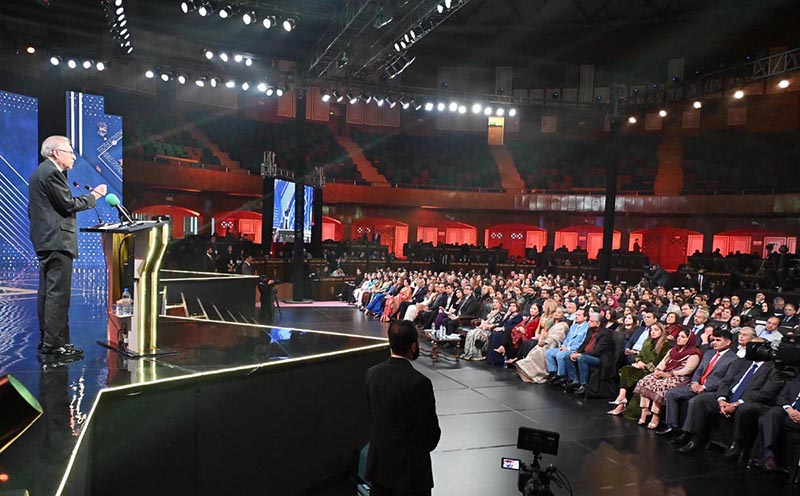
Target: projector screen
{"x":19,"y":156}
{"x":283,"y":212}
{"x":97,"y":140}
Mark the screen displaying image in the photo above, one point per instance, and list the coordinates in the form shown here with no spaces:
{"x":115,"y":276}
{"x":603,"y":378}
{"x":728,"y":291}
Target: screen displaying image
{"x":283,"y":212}
{"x":97,"y":140}
{"x":19,"y":156}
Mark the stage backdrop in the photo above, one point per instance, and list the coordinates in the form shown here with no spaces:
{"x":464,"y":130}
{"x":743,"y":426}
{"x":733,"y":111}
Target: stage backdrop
{"x":19,"y":143}
{"x":97,"y":140}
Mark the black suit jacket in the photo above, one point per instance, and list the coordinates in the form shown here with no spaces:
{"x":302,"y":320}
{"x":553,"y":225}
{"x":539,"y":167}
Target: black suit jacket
{"x":470,"y":307}
{"x":789,"y":393}
{"x":419,"y":295}
{"x":51,"y":210}
{"x":719,"y":371}
{"x":404,"y":427}
{"x":763,"y":387}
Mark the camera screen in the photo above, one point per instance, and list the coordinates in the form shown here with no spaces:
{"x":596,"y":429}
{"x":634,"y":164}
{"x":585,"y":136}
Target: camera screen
{"x":510,"y":463}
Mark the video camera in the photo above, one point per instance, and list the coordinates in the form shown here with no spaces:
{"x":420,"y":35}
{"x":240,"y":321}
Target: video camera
{"x":532,"y":480}
{"x":786,"y":355}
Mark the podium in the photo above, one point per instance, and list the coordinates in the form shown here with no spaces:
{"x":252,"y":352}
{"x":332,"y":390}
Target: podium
{"x":133,"y":253}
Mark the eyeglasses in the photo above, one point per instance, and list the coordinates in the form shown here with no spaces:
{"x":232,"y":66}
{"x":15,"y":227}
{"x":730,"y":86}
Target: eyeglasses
{"x":66,"y":151}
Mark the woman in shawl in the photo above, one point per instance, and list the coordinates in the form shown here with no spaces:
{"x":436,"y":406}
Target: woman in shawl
{"x":674,"y":370}
{"x":653,"y":351}
{"x":533,"y":368}
{"x":393,"y":302}
{"x":480,"y":334}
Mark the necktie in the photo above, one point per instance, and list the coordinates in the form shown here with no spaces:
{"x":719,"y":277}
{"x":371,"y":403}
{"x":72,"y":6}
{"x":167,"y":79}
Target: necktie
{"x":796,"y":403}
{"x":709,"y":369}
{"x":740,"y":388}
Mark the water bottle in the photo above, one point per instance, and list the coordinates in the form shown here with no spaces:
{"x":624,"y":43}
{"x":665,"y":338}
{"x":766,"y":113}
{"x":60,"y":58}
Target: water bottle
{"x":126,"y":303}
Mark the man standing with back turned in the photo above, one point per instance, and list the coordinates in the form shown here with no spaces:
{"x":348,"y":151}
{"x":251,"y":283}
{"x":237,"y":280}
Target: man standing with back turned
{"x":54,"y":233}
{"x":405,"y":428}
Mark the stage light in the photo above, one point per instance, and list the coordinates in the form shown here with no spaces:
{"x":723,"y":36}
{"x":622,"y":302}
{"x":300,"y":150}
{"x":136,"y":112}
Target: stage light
{"x":417,"y":105}
{"x":87,"y":64}
{"x":512,"y":112}
{"x":165,"y":76}
{"x":697,"y":104}
{"x":631,"y":120}
{"x":500,"y":111}
{"x":201,"y":82}
{"x":207,"y":9}
{"x":289,"y":24}
{"x":188,"y":6}
{"x":476,"y":108}
{"x":270,"y":90}
{"x":245,"y":86}
{"x":326,"y":95}
{"x":379,"y":102}
{"x":440,"y":8}
{"x":214,"y":82}
{"x":462,"y":109}
{"x":397,"y":46}
{"x":280,"y":90}
{"x":448,"y":4}
{"x":662,"y":113}
{"x":123,"y":32}
{"x":209,"y":54}
{"x":238,"y":58}
{"x":338,"y":97}
{"x":118,"y":3}
{"x":390,"y":101}
{"x":120,"y":10}
{"x":364,"y":97}
{"x":182,"y":78}
{"x":30,"y":50}
{"x":269,"y":22}
{"x":428,"y":106}
{"x":440,"y":106}
{"x":120,"y":17}
{"x":262,"y":87}
{"x":123,"y":23}
{"x":100,"y":66}
{"x":230,"y":83}
{"x":413,"y":34}
{"x":403,"y":45}
{"x":249,"y":17}
{"x":407,"y":38}
{"x":248,"y":61}
{"x":149,"y":74}
{"x":128,"y":49}
{"x":228,"y":11}
{"x":487,"y":111}
{"x":739,"y":94}
{"x":55,"y":60}
{"x":782,"y":85}
{"x":223,"y":56}
{"x":453,"y":107}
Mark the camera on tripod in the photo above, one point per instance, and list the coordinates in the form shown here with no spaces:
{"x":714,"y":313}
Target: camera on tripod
{"x":786,"y":355}
{"x":532,"y":479}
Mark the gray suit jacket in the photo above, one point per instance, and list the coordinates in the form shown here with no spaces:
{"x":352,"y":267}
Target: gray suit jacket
{"x":718,"y":372}
{"x":51,"y":209}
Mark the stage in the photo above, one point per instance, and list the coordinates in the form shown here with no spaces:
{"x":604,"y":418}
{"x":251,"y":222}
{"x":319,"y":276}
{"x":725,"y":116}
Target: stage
{"x":480,"y":409}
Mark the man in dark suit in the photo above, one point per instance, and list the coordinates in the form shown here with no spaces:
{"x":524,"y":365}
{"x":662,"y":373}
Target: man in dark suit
{"x":405,"y":428}
{"x":247,"y":266}
{"x":747,"y":391}
{"x":54,"y":233}
{"x":416,"y":298}
{"x":443,"y":303}
{"x":789,"y":318}
{"x":782,"y":420}
{"x":713,"y":368}
{"x":469,"y":308}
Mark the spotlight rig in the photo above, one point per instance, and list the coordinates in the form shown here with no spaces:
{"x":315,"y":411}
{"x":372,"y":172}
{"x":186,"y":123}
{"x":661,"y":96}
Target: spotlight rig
{"x":118,"y":24}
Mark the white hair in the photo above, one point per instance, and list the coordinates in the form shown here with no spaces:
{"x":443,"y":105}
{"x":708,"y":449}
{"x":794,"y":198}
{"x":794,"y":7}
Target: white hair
{"x":51,"y":143}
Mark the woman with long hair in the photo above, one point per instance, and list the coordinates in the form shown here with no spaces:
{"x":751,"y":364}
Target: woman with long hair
{"x":673,"y":326}
{"x":477,"y":338}
{"x":653,"y":351}
{"x":675,"y":370}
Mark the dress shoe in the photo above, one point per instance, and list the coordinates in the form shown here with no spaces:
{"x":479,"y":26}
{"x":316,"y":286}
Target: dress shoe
{"x":665,"y":430}
{"x":689,"y":447}
{"x":62,"y":351}
{"x":732,"y":452}
{"x":681,"y":439}
{"x":571,"y":386}
{"x":770,"y":466}
{"x":581,"y":390}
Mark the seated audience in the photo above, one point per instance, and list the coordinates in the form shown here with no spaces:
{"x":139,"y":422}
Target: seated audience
{"x":478,"y":337}
{"x":533,"y":367}
{"x":597,"y":348}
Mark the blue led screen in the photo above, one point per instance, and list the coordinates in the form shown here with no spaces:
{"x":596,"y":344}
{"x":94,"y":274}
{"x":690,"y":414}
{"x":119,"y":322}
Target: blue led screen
{"x":283,"y":212}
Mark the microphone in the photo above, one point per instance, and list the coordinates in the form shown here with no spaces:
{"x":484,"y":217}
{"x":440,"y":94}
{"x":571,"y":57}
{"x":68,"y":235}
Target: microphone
{"x":113,"y":201}
{"x":100,"y":221}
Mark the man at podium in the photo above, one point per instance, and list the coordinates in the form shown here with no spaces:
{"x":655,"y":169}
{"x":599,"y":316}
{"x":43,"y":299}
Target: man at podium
{"x":54,"y":233}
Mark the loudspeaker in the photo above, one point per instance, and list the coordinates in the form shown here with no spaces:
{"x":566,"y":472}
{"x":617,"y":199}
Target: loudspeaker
{"x":20,"y":410}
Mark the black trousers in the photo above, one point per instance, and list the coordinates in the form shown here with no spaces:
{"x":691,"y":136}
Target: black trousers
{"x":55,"y":289}
{"x":704,"y":413}
{"x":774,"y":425}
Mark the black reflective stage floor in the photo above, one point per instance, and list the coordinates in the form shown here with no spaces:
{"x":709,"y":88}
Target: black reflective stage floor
{"x":480,"y":409}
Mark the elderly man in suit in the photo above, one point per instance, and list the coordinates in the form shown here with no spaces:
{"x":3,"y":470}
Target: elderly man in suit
{"x":747,"y":391}
{"x":713,"y":368}
{"x":405,"y":428}
{"x":54,"y":233}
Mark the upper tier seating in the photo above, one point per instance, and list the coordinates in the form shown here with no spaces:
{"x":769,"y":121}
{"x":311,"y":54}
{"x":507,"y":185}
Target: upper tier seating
{"x":562,"y":165}
{"x":160,"y":135}
{"x":447,"y":160}
{"x":739,"y":162}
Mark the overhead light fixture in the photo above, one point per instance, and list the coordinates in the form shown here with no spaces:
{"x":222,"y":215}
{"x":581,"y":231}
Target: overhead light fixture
{"x":30,"y":50}
{"x":476,"y":108}
{"x":269,"y":22}
{"x":407,"y":38}
{"x":379,"y":102}
{"x":697,"y":104}
{"x":230,"y":83}
{"x":128,"y":48}
{"x":270,"y":90}
{"x":201,"y":82}
{"x":123,"y":23}
{"x":326,"y":95}
{"x":413,"y":34}
{"x":462,"y":109}
{"x":403,"y":103}
{"x":55,"y":60}
{"x":440,"y":8}
{"x":188,"y":6}
{"x":182,"y":78}
{"x":280,"y":90}
{"x":214,"y":82}
{"x":351,"y":97}
{"x":417,"y":105}
{"x":87,"y":64}
{"x":100,"y":66}
{"x":631,"y":120}
{"x":662,"y":113}
{"x":738,"y":94}
{"x":440,"y":106}
{"x":120,"y":10}
{"x":428,"y":106}
{"x":337,"y":97}
{"x":289,"y":24}
{"x":118,"y":3}
{"x":245,"y":86}
{"x":397,"y":46}
{"x":512,"y":112}
{"x":238,"y":58}
{"x":448,"y":4}
{"x":249,"y":17}
{"x":207,"y":9}
{"x":783,"y":84}
{"x":390,"y":101}
{"x":453,"y":107}
{"x":149,"y":74}
{"x":262,"y":87}
{"x":500,"y":111}
{"x":208,"y":54}
{"x":487,"y":111}
{"x":229,"y":10}
{"x":166,"y":76}
{"x":248,"y":61}
{"x":223,"y":56}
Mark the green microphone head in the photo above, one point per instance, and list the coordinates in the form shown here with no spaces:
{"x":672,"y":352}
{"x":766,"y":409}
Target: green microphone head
{"x":112,"y":200}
